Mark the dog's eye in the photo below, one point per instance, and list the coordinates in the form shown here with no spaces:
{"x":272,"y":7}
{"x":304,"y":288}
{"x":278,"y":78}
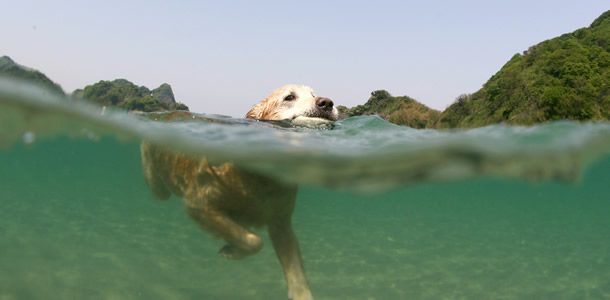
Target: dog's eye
{"x":289,"y":97}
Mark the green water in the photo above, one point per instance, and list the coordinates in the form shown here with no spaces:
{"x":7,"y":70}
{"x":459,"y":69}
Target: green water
{"x":383,"y":212}
{"x":78,"y":222}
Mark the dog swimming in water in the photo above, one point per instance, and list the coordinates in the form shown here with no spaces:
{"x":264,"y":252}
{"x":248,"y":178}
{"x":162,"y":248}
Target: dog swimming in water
{"x":229,"y":201}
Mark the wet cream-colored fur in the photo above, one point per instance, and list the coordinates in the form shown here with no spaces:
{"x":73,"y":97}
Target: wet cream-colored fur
{"x":275,"y":107}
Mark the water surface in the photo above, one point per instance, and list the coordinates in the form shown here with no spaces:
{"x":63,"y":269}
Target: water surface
{"x":383,"y":212}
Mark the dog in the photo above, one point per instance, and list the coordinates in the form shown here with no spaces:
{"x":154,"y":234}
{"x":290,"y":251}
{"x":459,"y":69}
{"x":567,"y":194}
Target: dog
{"x":228,"y":201}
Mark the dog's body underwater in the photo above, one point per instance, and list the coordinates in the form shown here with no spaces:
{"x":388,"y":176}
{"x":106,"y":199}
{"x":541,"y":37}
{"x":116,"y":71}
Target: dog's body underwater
{"x":227,"y":201}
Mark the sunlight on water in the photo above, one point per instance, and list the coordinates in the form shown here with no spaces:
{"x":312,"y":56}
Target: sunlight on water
{"x":490,"y":213}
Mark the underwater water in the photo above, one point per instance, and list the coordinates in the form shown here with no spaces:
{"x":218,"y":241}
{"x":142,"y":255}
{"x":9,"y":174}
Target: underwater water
{"x":383,"y":211}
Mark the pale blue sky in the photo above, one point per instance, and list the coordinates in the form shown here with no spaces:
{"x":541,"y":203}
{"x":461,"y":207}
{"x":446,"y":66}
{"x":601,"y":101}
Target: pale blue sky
{"x":223,"y":56}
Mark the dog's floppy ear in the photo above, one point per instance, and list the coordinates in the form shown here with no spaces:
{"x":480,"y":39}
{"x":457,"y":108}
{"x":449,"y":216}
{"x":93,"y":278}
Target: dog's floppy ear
{"x":266,"y":110}
{"x":255,"y":112}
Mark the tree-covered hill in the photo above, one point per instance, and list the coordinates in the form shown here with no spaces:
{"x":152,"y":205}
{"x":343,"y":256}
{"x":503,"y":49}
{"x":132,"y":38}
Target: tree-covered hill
{"x":567,"y":77}
{"x":119,"y":92}
{"x":124,"y":94}
{"x":9,"y":68}
{"x":398,"y":110}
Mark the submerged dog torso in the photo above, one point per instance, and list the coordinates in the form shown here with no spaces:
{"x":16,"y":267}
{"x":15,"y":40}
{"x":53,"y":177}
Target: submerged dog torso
{"x":250,"y":199}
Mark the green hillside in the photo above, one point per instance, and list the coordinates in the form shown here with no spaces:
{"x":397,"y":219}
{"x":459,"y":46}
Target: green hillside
{"x":9,"y":68}
{"x":124,"y":94}
{"x":567,"y":77}
{"x":398,"y":110}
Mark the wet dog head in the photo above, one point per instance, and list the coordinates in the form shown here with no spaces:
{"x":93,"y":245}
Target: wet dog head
{"x":292,"y":101}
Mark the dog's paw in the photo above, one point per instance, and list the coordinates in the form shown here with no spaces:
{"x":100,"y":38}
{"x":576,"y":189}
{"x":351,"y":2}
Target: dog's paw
{"x":231,"y":252}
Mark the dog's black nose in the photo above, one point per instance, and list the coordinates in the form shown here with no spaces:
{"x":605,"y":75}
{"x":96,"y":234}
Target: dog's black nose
{"x":324,"y":103}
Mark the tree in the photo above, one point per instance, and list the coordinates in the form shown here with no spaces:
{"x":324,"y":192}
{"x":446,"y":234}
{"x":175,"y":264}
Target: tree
{"x":567,"y":77}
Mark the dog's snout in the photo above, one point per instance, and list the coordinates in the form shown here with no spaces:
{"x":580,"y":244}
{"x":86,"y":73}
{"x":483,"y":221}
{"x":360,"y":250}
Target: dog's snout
{"x":324,"y":103}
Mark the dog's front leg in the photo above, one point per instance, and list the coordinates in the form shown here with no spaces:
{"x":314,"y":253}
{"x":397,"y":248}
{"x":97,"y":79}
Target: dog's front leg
{"x":287,"y":249}
{"x":241,"y":242}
